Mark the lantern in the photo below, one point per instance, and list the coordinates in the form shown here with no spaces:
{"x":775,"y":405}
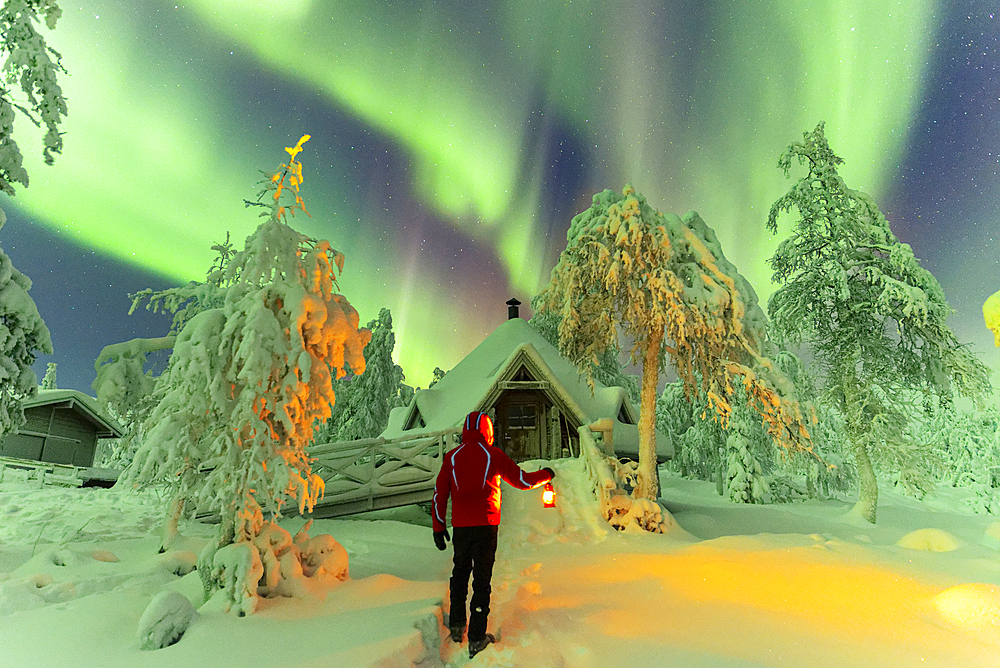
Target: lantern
{"x":549,"y":495}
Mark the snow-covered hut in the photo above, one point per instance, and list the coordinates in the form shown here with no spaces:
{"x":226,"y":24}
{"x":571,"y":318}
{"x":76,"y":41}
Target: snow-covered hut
{"x":536,"y":397}
{"x":61,"y":427}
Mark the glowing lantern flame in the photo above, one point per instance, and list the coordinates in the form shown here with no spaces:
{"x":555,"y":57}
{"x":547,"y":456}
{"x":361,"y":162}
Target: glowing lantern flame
{"x":549,"y":495}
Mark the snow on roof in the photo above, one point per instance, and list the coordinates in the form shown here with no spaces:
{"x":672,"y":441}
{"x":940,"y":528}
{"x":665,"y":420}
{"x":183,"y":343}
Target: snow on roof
{"x":107,"y":427}
{"x":474,"y":384}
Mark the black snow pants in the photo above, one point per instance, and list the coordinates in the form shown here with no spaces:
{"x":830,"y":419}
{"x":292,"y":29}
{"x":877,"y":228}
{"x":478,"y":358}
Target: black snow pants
{"x":475,"y":552}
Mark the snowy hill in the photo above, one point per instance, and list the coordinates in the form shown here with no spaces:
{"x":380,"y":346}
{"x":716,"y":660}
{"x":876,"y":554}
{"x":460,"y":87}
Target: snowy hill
{"x":801,"y":584}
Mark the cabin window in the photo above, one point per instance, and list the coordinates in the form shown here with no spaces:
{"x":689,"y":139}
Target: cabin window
{"x":522,"y":416}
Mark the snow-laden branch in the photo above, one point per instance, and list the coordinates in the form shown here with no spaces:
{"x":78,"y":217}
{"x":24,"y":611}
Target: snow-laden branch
{"x":33,"y":66}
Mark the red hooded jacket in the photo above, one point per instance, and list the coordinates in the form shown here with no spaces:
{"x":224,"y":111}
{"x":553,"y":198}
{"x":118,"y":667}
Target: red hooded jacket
{"x":471,"y":475}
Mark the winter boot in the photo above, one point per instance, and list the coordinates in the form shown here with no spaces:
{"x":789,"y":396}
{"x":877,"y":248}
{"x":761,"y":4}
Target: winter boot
{"x":456,"y":633}
{"x":477,"y":646}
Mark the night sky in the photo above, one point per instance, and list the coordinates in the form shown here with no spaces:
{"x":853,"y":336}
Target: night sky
{"x":453,"y":141}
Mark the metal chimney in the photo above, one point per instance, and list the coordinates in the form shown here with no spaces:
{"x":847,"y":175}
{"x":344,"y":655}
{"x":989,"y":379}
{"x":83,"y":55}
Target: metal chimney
{"x":512,"y":305}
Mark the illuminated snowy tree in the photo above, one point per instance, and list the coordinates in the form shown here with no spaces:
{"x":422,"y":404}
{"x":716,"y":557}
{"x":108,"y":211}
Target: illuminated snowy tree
{"x":663,"y":283}
{"x":874,"y":318}
{"x":364,"y":401}
{"x":607,"y":369}
{"x":991,"y":314}
{"x":244,"y":388}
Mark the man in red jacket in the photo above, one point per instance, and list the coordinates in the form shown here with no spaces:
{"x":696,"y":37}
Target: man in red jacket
{"x":471,"y":474}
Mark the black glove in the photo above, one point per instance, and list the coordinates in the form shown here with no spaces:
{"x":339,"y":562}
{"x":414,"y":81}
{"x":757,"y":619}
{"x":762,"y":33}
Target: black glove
{"x":440,"y":537}
{"x":552,"y":474}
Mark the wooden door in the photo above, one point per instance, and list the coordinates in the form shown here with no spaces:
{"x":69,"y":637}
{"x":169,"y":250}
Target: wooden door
{"x":521,"y":427}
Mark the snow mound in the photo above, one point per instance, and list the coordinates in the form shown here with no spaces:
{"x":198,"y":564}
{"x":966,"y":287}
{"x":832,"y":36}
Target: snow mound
{"x":236,"y":569}
{"x":973,"y":606}
{"x":178,"y":562}
{"x":274,"y":564}
{"x":18,"y":594}
{"x":165,"y":620}
{"x":34,"y":591}
{"x":929,"y":540}
{"x":993,"y":531}
{"x":323,"y":555}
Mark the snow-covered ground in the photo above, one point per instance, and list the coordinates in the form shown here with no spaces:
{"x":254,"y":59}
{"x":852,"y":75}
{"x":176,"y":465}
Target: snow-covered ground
{"x":806,"y":584}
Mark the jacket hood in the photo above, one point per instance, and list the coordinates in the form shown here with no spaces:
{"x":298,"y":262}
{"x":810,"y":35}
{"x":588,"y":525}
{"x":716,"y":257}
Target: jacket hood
{"x":477,"y":428}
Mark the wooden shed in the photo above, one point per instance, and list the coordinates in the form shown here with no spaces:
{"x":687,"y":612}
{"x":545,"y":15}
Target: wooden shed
{"x":61,"y":427}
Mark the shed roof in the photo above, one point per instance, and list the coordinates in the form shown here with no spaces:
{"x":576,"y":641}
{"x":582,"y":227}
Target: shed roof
{"x":83,"y":404}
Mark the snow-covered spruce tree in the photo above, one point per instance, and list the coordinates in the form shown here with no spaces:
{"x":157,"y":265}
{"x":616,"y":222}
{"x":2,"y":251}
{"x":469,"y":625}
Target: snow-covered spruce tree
{"x":607,"y":369}
{"x":436,"y":375}
{"x":240,"y":397}
{"x":968,"y":442}
{"x":748,"y":452}
{"x":49,"y":380}
{"x":125,"y":382}
{"x":125,"y":387}
{"x":663,"y":283}
{"x":22,"y":336}
{"x":744,"y":480}
{"x":826,"y":470}
{"x":364,"y":401}
{"x":739,"y":457}
{"x":875,"y":319}
{"x":31,"y":66}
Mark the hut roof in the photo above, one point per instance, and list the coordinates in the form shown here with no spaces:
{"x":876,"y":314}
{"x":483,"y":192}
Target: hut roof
{"x":478,"y":380}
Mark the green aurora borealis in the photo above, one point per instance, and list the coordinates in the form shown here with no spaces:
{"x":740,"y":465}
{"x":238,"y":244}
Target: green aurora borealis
{"x":452,"y":142}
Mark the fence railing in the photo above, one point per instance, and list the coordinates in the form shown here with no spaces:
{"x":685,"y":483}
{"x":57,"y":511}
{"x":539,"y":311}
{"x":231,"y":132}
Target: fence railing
{"x":376,"y":473}
{"x":38,"y":474}
{"x":601,"y":469}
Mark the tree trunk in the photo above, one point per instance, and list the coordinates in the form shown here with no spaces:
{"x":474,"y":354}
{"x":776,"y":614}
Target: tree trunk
{"x":646,"y":484}
{"x":868,"y":483}
{"x":170,"y":531}
{"x":857,"y":431}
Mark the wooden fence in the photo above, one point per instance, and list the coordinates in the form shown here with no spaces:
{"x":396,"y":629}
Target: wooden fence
{"x":377,"y":473}
{"x":38,"y":474}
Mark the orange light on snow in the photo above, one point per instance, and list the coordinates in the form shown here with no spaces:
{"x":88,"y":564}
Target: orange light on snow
{"x":549,"y":495}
